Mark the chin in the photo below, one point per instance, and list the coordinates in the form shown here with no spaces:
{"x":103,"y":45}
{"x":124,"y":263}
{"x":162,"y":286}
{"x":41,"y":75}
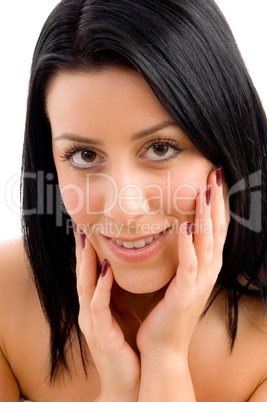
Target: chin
{"x":139,"y":286}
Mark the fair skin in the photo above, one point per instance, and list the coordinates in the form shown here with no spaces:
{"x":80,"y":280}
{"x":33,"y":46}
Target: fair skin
{"x":144,"y":334}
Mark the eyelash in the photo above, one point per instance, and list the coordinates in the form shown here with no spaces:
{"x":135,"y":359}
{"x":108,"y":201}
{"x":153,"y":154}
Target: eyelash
{"x":68,"y":153}
{"x":164,"y":141}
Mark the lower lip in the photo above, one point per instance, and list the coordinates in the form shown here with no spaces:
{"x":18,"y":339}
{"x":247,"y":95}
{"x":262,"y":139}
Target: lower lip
{"x":137,"y":255}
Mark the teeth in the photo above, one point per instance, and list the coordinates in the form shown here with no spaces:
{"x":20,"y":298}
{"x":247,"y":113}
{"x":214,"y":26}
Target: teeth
{"x":128,"y":244}
{"x":139,"y":243}
{"x":136,"y":244}
{"x":149,"y":240}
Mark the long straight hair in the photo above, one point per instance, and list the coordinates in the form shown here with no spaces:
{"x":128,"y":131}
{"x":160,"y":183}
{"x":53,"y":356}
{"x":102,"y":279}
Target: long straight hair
{"x":186,"y":53}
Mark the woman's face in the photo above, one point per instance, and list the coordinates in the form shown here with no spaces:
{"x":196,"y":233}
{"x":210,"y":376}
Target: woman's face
{"x":128,"y":175}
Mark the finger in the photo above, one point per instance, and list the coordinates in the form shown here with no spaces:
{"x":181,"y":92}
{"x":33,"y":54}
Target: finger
{"x":219,"y":212}
{"x":102,"y":319}
{"x":203,"y":230}
{"x":187,"y":268}
{"x":86,"y":268}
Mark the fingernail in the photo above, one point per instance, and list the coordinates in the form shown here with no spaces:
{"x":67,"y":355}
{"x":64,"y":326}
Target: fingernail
{"x":220,"y":177}
{"x":104,"y":268}
{"x":189,"y":228}
{"x":82,"y":237}
{"x":208,"y":195}
{"x":74,"y":225}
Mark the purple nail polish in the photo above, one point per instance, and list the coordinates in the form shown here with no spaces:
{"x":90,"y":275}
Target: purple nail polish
{"x":82,"y":237}
{"x":208,"y":195}
{"x":104,"y":268}
{"x":74,"y":225}
{"x":220,"y":177}
{"x":189,"y":228}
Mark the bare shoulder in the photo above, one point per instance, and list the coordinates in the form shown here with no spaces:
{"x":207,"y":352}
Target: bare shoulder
{"x":14,"y":272}
{"x":238,"y":373}
{"x":12,"y":255}
{"x":14,"y":288}
{"x":254,"y":328}
{"x":252,"y":334}
{"x":253,"y":316}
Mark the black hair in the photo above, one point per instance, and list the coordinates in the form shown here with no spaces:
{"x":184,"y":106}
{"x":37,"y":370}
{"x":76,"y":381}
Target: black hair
{"x":186,"y":53}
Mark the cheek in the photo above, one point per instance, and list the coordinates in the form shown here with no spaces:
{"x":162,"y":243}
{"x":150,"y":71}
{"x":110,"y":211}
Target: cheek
{"x":73,"y":198}
{"x":175,"y":195}
{"x":184,"y":199}
{"x":185,"y":192}
{"x":87,"y":198}
{"x":172,"y":198}
{"x":73,"y":195}
{"x":177,"y":192}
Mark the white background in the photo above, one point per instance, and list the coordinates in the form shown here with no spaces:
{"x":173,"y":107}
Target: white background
{"x":20,"y":24}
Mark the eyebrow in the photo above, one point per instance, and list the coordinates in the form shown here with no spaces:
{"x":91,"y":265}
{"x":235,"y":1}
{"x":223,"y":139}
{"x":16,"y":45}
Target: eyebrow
{"x":77,"y":138}
{"x":134,"y":137}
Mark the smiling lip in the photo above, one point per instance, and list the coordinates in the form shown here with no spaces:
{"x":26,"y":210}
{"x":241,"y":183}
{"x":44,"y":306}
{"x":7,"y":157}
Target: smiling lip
{"x":136,"y":255}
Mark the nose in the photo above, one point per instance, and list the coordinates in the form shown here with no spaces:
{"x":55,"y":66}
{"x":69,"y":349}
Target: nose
{"x":129,"y":201}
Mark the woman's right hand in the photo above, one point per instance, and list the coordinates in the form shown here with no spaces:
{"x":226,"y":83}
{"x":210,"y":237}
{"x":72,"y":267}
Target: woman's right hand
{"x":117,"y":364}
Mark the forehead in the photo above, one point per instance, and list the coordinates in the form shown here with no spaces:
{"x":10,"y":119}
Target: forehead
{"x":112,"y":92}
{"x":113,"y":104}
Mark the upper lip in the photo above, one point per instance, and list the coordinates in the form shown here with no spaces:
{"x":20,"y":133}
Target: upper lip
{"x":127,"y":239}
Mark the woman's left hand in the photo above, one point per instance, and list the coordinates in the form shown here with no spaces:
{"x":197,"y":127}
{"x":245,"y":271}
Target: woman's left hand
{"x":101,"y":317}
{"x":168,"y":328}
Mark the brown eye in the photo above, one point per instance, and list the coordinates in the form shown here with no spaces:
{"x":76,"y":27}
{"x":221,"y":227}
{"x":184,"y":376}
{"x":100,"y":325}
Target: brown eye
{"x":88,"y":156}
{"x":160,"y":149}
{"x":86,"y":159}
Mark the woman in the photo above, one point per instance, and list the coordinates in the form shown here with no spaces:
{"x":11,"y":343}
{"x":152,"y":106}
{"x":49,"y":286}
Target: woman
{"x":145,"y":133}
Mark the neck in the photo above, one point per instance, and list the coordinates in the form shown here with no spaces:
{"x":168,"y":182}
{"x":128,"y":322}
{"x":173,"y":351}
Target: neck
{"x":143,"y":303}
